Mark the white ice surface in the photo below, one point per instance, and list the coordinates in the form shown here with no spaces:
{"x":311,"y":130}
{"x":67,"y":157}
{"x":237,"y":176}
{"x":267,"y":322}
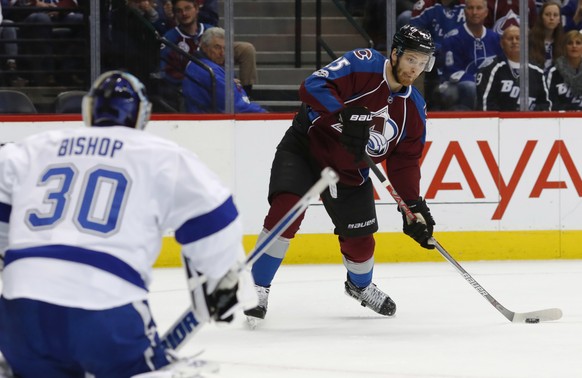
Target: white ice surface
{"x":442,"y":328}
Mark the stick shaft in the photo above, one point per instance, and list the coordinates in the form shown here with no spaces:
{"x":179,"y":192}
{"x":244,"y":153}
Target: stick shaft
{"x":404,"y":207}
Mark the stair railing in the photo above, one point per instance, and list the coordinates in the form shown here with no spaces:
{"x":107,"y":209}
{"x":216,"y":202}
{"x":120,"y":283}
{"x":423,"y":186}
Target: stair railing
{"x":320,"y":42}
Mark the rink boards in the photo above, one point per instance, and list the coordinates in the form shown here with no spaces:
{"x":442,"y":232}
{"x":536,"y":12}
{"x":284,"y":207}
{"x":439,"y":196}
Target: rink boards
{"x":498,"y":188}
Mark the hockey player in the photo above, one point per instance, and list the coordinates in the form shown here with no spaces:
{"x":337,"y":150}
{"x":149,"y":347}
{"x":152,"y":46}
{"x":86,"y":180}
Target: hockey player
{"x":82,"y":214}
{"x":360,"y":103}
{"x":498,"y":83}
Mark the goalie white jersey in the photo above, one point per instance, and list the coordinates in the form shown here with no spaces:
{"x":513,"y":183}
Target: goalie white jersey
{"x":83,"y":212}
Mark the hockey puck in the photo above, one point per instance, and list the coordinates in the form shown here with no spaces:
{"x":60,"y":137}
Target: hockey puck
{"x":532,"y":320}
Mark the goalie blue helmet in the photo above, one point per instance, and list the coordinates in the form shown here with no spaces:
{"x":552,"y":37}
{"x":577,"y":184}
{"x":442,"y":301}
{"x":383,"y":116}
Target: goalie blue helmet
{"x":116,"y":99}
{"x":414,"y":39}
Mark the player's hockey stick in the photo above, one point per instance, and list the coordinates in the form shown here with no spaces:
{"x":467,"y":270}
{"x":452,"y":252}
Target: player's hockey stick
{"x":515,"y":317}
{"x":187,"y":324}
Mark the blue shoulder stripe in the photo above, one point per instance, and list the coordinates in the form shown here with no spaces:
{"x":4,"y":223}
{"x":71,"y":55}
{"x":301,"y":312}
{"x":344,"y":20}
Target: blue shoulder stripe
{"x":99,"y":260}
{"x":421,"y":107}
{"x":207,"y":224}
{"x":5,"y":210}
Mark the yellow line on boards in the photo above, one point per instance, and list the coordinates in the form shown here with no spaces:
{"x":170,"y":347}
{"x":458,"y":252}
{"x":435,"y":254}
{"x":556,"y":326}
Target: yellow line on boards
{"x":397,"y":247}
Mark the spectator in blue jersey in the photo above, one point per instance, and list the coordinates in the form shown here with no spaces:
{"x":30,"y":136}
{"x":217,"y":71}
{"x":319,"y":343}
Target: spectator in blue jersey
{"x":197,"y":83}
{"x":467,"y":48}
{"x":498,"y":84}
{"x":564,"y":78}
{"x":361,"y":103}
{"x":572,"y":15}
{"x":186,"y":35}
{"x":439,"y":17}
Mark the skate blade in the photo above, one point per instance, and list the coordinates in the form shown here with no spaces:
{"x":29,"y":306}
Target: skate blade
{"x":252,"y":322}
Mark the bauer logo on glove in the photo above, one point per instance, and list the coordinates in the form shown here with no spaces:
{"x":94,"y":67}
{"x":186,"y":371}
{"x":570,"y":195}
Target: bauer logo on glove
{"x":356,"y":122}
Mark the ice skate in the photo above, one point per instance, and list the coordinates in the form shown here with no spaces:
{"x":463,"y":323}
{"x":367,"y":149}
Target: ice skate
{"x":256,"y":315}
{"x":371,"y":297}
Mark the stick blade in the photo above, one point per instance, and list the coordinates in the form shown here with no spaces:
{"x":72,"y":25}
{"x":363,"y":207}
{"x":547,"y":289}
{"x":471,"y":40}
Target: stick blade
{"x":546,"y":315}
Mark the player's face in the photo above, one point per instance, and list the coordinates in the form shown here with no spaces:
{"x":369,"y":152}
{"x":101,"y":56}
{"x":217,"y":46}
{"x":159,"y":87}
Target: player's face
{"x":215,"y":50}
{"x":410,"y":65}
{"x":574,"y":48}
{"x":551,"y":16}
{"x":186,"y":13}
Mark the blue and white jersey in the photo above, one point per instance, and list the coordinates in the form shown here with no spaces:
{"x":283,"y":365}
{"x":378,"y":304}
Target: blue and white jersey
{"x":437,"y":18}
{"x":465,"y":54}
{"x":83,"y":212}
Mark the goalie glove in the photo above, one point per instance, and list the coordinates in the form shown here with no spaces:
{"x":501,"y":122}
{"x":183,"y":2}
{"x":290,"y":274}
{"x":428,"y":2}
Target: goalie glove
{"x":356,"y":122}
{"x":421,"y":229}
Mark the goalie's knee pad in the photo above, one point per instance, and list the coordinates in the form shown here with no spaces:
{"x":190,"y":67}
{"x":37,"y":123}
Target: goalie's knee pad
{"x":357,"y":249}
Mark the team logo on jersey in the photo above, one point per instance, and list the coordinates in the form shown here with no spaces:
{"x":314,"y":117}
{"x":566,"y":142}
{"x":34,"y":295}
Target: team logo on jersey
{"x":184,"y":46}
{"x":363,"y":54}
{"x":321,"y":73}
{"x":384,"y":132}
{"x":377,"y":144}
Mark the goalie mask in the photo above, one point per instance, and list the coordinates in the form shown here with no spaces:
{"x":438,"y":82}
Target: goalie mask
{"x":116,"y":99}
{"x":414,"y":39}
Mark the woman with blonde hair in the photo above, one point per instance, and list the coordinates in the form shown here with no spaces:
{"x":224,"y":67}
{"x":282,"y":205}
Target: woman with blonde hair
{"x":545,"y":35}
{"x":564,"y":79}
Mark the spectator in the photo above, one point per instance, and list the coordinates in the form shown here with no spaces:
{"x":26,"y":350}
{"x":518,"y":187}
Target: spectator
{"x":572,"y":15}
{"x":565,"y":77}
{"x":148,"y":10}
{"x":197,"y":84}
{"x":42,"y":32}
{"x":187,"y":35}
{"x":131,"y":43}
{"x":500,"y":8}
{"x":8,"y":32}
{"x":498,"y":83}
{"x":467,"y":48}
{"x":439,"y":17}
{"x":208,"y":12}
{"x":166,"y":14}
{"x":545,"y":35}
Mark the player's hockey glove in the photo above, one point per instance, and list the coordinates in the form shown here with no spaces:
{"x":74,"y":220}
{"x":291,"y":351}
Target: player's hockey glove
{"x":356,"y":122}
{"x":421,"y":229}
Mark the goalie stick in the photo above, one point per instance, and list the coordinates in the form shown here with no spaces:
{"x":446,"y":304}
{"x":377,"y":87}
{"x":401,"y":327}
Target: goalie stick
{"x":515,"y":317}
{"x":187,"y":324}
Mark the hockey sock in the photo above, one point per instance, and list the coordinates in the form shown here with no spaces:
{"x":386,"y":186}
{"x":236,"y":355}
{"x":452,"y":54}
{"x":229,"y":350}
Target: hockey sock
{"x":360,"y":274}
{"x":265,"y":268}
{"x":360,"y":280}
